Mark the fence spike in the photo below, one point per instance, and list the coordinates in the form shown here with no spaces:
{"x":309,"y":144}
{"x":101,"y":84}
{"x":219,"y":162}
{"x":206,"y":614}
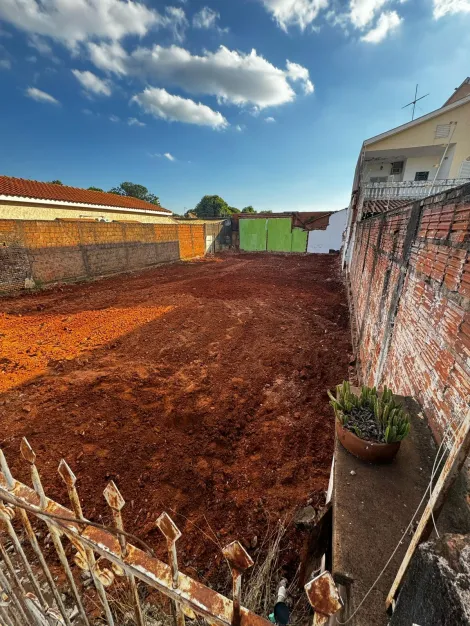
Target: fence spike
{"x":30,"y":456}
{"x":6,"y":471}
{"x":116,"y":503}
{"x":239,"y":561}
{"x":172,"y":533}
{"x":70,"y":479}
{"x":27,"y":452}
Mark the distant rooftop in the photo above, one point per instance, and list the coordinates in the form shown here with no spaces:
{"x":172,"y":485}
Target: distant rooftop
{"x":35,"y":190}
{"x":460,"y":92}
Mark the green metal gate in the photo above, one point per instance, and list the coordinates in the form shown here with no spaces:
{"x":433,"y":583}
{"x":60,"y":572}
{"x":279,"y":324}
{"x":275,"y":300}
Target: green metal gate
{"x":271,"y":234}
{"x":279,"y":234}
{"x":253,"y":235}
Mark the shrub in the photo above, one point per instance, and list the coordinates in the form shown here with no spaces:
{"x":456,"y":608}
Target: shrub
{"x":393,"y":423}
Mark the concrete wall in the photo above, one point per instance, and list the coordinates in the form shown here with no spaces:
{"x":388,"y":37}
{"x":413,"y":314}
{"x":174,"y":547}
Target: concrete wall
{"x":41,"y":252}
{"x":20,"y":211}
{"x":322,"y":241}
{"x":424,"y":135}
{"x":410,"y":293}
{"x":421,"y":164}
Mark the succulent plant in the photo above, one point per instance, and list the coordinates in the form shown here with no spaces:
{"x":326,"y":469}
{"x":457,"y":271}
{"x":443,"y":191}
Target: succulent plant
{"x":392,"y":421}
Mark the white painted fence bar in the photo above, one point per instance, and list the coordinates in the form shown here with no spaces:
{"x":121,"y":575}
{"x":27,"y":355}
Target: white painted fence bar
{"x":413,"y":190}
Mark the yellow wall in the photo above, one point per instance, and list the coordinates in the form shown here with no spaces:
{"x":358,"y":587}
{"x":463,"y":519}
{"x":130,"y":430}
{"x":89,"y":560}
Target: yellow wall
{"x":17,"y":211}
{"x":423,"y":135}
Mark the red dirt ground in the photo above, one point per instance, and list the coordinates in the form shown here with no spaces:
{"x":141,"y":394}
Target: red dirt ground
{"x":199,"y":388}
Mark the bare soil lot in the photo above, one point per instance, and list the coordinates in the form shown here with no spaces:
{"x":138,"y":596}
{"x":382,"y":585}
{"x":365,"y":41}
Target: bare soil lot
{"x":199,"y":388}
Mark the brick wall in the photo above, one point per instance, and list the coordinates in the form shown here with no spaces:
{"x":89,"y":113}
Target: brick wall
{"x":51,"y":251}
{"x":192,"y":240}
{"x":410,"y":290}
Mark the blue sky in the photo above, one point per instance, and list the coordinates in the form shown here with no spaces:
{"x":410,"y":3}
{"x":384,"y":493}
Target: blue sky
{"x":264,"y":102}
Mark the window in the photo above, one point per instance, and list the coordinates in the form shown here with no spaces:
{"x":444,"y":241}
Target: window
{"x":421,"y":175}
{"x":442,"y":131}
{"x":465,"y":168}
{"x":397,"y":167}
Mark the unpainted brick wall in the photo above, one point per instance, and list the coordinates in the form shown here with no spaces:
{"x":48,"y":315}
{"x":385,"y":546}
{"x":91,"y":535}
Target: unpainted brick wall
{"x":410,"y":291}
{"x":192,"y":240}
{"x":50,"y":251}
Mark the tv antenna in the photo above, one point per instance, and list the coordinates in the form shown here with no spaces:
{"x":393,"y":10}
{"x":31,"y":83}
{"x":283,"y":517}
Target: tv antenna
{"x":413,"y":102}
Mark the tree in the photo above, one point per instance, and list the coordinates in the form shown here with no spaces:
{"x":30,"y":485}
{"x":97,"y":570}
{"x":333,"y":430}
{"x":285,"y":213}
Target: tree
{"x":232,"y":209}
{"x":248,"y":209}
{"x":212,"y":206}
{"x":55,"y":182}
{"x":135,"y":191}
{"x":95,"y":189}
{"x":266,"y":212}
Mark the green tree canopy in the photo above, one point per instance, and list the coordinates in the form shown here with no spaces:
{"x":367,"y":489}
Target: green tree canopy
{"x":55,"y":182}
{"x":267,"y":212}
{"x":212,"y":206}
{"x":135,"y":191}
{"x":248,"y":209}
{"x":232,"y":209}
{"x":95,"y":189}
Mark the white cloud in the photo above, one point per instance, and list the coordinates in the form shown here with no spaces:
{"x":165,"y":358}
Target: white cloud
{"x":40,"y":96}
{"x":175,"y":20}
{"x":92,"y":83}
{"x":109,"y":56}
{"x":42,"y":46}
{"x":5,"y":64}
{"x":227,"y":74}
{"x":444,"y":7}
{"x":363,"y":11}
{"x":133,"y":121}
{"x":299,"y":13}
{"x":239,"y":128}
{"x":160,"y":103}
{"x":269,"y":120}
{"x":114,"y":118}
{"x":207,"y":18}
{"x":73,"y":21}
{"x":169,"y":156}
{"x":388,"y":22}
{"x":39,"y":44}
{"x":299,"y":73}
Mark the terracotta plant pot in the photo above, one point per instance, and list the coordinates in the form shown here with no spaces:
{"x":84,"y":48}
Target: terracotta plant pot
{"x":369,"y":451}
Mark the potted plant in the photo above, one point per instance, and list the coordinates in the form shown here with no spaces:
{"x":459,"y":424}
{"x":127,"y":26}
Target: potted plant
{"x":369,"y":424}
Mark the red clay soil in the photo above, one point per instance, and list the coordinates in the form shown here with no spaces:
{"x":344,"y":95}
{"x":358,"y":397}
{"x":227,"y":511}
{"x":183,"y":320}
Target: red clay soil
{"x":199,"y":388}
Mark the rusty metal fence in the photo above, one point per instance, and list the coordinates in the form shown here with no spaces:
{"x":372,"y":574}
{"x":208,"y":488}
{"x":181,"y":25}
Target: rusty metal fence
{"x":30,"y":593}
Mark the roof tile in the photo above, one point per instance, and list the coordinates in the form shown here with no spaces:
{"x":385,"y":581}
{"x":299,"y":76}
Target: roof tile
{"x":48,"y":191}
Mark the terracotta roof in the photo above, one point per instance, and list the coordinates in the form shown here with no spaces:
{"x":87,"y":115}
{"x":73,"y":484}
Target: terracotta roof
{"x":371,"y":207}
{"x":312,"y":220}
{"x":48,"y":191}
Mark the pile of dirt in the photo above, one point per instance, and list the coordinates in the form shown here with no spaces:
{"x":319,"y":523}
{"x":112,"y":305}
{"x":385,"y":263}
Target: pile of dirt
{"x":199,"y":388}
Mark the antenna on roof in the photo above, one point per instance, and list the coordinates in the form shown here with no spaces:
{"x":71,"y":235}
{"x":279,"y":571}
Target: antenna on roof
{"x":413,"y":102}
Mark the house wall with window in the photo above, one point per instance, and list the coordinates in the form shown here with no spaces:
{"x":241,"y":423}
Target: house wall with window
{"x":435,"y":132}
{"x":421,"y":165}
